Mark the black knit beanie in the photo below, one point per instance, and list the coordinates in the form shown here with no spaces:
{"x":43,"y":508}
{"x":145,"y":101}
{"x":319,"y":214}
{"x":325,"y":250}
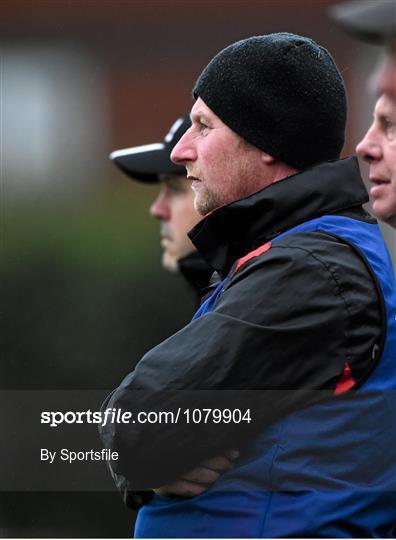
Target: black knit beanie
{"x":282,"y":93}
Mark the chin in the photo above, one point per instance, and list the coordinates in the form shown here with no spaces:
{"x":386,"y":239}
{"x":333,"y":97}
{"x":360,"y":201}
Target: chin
{"x":385,"y":214}
{"x":204,"y":207}
{"x":391,"y":220}
{"x":169,"y":262}
{"x":205,"y":202}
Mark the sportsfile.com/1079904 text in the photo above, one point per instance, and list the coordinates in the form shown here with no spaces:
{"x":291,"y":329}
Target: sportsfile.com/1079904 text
{"x":117,"y":416}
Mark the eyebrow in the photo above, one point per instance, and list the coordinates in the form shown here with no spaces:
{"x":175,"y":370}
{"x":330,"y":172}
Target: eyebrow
{"x":199,"y":114}
{"x":385,"y":111}
{"x":384,"y":107}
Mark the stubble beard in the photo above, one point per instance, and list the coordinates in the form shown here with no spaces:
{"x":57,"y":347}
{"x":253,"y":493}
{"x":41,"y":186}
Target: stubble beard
{"x":242,"y":182}
{"x":206,"y":201}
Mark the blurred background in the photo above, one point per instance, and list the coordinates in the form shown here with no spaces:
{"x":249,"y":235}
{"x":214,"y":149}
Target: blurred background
{"x":83,"y":292}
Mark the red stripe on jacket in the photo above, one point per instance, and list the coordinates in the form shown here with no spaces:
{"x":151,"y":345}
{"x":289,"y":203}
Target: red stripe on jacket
{"x":252,"y":254}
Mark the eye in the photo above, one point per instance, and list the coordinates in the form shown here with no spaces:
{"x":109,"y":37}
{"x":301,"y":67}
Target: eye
{"x":389,"y":127}
{"x":203,"y":127}
{"x":386,"y":123}
{"x":176,"y":189}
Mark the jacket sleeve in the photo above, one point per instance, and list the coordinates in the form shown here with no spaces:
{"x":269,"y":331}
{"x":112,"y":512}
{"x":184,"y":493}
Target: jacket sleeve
{"x":280,"y":338}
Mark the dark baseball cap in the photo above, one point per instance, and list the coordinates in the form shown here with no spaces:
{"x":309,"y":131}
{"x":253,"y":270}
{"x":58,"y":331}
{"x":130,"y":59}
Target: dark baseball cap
{"x":371,"y":20}
{"x":146,"y":163}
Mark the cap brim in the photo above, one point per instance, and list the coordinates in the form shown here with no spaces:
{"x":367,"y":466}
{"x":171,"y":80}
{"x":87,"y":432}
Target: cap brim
{"x":373,"y":21}
{"x":146,"y":163}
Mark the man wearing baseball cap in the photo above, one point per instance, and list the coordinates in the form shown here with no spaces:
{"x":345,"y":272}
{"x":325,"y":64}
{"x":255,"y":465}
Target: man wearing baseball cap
{"x":291,"y":358}
{"x":375,"y":22}
{"x":174,"y":205}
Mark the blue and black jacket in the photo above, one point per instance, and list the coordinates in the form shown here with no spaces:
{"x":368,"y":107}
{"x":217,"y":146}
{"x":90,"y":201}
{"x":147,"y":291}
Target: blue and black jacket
{"x":300,"y":331}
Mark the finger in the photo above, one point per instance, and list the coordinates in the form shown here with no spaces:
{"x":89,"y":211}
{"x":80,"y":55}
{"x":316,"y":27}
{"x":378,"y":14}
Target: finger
{"x":232,"y":454}
{"x":181,"y":488}
{"x":220,"y":464}
{"x":201,"y":475}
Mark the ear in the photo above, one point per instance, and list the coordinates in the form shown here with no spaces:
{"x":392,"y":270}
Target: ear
{"x":267,"y":159}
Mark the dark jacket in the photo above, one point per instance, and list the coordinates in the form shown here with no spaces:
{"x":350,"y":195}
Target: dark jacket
{"x":196,"y":273}
{"x":292,"y":324}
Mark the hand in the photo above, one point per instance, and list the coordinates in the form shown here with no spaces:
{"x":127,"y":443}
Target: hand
{"x":199,"y":479}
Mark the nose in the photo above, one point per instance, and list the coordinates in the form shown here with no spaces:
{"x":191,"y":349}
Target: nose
{"x":369,"y":147}
{"x":160,"y":208}
{"x":184,"y":151}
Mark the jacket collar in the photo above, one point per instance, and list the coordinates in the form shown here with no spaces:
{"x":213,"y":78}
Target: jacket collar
{"x":196,"y":271}
{"x":233,"y":230}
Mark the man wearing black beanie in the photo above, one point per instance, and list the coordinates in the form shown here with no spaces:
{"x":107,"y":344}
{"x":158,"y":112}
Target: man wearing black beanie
{"x":268,"y":89}
{"x":294,"y":347}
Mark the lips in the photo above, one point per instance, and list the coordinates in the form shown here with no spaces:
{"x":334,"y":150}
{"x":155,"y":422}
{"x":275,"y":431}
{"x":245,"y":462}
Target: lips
{"x":379,"y":187}
{"x":165,"y":233}
{"x":375,"y":180}
{"x":195,"y":182}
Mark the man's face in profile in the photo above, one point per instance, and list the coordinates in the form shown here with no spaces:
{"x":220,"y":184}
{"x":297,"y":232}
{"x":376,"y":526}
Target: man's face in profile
{"x":378,"y":148}
{"x":221,"y":165}
{"x":174,"y":208}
